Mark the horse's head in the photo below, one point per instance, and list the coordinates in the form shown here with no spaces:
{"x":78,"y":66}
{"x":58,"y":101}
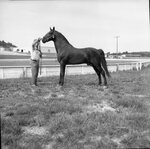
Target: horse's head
{"x":49,"y":36}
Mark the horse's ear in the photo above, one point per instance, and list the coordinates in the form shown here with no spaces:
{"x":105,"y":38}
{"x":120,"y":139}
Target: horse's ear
{"x":50,"y":29}
{"x":53,"y":29}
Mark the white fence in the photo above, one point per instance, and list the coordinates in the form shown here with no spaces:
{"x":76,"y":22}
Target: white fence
{"x":54,"y":70}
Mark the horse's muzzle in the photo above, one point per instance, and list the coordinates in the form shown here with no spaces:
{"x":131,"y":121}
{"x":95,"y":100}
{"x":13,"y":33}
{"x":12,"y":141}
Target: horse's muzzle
{"x":43,"y":40}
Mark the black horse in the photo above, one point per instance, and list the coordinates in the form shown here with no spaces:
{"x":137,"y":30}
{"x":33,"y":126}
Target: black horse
{"x":67,"y":54}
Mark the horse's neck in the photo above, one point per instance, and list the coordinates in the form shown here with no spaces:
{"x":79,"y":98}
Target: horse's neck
{"x":60,"y":42}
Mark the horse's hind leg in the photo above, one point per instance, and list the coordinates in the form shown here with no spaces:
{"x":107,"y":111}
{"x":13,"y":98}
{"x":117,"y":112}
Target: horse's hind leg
{"x":62,"y":73}
{"x":104,"y":76}
{"x":98,"y":74}
{"x":101,"y":71}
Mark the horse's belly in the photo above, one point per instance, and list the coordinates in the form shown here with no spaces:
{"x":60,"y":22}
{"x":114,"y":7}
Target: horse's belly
{"x":77,"y":60}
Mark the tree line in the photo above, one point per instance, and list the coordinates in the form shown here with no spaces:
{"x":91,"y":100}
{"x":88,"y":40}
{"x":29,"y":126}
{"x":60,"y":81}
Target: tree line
{"x":128,"y":54}
{"x":7,"y":44}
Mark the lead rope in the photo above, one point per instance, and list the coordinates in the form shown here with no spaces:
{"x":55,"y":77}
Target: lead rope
{"x":40,"y":59}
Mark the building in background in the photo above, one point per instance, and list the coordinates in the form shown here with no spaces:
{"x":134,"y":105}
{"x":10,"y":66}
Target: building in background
{"x":2,"y":48}
{"x":45,"y":49}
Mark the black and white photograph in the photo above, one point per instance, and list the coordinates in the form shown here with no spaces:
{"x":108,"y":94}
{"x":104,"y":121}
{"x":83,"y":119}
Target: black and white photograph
{"x":75,"y":74}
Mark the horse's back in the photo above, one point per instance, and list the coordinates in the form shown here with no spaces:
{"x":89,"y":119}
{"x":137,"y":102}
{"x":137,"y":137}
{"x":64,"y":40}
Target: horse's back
{"x":91,"y":52}
{"x":72,"y":55}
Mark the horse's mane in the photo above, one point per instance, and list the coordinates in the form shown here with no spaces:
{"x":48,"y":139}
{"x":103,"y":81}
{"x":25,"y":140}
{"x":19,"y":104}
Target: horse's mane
{"x":60,"y":35}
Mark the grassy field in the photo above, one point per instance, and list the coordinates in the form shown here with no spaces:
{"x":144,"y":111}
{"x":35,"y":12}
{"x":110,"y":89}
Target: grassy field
{"x":80,"y":115}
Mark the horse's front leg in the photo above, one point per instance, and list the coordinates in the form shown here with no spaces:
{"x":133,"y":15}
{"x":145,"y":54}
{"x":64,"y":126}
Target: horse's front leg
{"x":62,"y":73}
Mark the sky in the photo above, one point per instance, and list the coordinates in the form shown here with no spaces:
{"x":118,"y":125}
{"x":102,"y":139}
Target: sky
{"x":85,"y":23}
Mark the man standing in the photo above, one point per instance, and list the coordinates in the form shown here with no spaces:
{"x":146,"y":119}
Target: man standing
{"x":36,"y":54}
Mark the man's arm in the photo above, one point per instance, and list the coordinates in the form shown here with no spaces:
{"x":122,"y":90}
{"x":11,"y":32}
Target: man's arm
{"x":39,"y":47}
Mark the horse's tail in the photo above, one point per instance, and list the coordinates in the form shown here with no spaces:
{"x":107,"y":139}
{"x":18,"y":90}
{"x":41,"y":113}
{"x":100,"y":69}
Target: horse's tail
{"x":103,"y":62}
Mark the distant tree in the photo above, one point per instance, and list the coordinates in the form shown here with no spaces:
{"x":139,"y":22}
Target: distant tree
{"x":11,"y":45}
{"x":7,"y":44}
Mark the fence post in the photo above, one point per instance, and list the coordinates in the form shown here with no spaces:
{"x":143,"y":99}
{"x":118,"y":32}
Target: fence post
{"x":137,"y":66}
{"x":66,"y":69}
{"x":2,"y":72}
{"x":117,"y":67}
{"x":82,"y":69}
{"x":140,"y":65}
{"x":24,"y":72}
{"x":46,"y":71}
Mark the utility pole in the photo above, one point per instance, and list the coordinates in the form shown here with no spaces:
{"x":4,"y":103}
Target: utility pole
{"x":117,"y":44}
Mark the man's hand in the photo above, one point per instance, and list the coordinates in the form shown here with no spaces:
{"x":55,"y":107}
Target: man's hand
{"x":39,"y":39}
